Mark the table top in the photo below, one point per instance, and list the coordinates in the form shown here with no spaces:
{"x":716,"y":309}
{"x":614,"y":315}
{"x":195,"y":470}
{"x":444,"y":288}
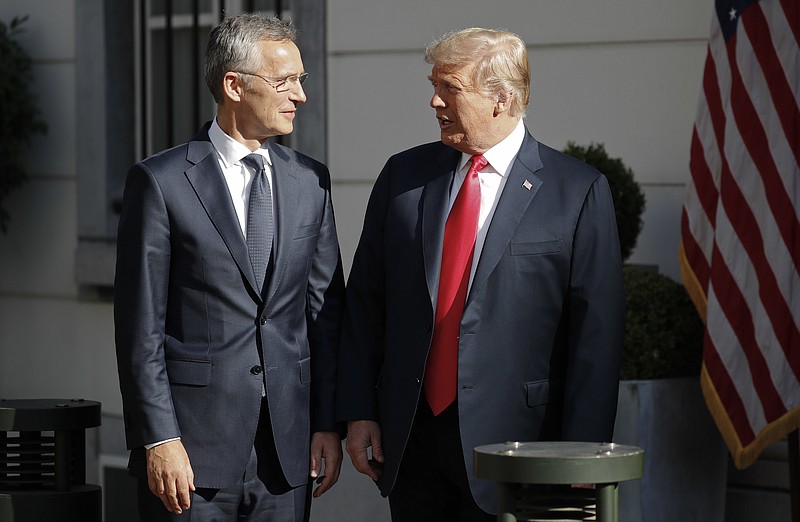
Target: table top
{"x":559,"y":462}
{"x":48,"y":414}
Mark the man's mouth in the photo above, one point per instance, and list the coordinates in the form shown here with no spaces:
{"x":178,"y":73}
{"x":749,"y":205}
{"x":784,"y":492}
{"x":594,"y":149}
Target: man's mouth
{"x":443,"y":121}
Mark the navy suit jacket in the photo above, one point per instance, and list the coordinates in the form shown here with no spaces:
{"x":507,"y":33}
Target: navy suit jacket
{"x":193,"y":333}
{"x":541,"y":334}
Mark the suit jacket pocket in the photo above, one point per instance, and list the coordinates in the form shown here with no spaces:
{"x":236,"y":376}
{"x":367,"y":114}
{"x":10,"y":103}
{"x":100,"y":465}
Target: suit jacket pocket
{"x":305,"y":370}
{"x":189,"y":372}
{"x":537,"y":393}
{"x":536,"y":249}
{"x":308,"y":230}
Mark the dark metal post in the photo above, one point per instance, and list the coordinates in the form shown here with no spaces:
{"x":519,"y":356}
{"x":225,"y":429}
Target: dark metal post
{"x":78,"y":440}
{"x":196,"y":85}
{"x":169,"y":66}
{"x":144,"y":75}
{"x":794,"y":474}
{"x":62,"y":459}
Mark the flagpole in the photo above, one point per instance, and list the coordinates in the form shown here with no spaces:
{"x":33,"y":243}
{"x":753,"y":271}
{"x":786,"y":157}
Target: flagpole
{"x":794,"y":474}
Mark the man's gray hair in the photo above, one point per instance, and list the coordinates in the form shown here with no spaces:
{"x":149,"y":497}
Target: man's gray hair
{"x":233,"y":46}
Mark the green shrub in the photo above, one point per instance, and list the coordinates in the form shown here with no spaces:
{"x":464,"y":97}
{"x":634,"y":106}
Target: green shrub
{"x":663,"y":331}
{"x":19,"y":116}
{"x":629,"y":200}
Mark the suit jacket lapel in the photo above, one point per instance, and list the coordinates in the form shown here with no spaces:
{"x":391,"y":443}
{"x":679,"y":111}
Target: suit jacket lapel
{"x":209,"y":184}
{"x":512,"y":205}
{"x":434,"y":215}
{"x":286,"y":200}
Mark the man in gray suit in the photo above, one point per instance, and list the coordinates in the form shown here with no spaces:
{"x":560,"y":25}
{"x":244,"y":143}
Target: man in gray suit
{"x":228,"y":312}
{"x":485,"y":300}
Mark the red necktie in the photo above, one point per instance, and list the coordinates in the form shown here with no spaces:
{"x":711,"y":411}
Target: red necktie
{"x":441,"y":371}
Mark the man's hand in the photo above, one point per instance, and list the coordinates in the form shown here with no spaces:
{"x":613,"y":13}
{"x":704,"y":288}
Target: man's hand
{"x":361,"y":436}
{"x":170,"y":476}
{"x":325,"y":446}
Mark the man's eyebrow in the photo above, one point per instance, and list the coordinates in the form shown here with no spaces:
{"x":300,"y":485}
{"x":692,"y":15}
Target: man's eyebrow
{"x":443,"y":80}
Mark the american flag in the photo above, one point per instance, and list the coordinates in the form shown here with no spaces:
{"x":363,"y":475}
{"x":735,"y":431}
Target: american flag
{"x":740,"y":227}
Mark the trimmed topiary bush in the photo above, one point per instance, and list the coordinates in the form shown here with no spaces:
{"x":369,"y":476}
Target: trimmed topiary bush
{"x":19,"y":116}
{"x":663,"y":331}
{"x":629,"y":200}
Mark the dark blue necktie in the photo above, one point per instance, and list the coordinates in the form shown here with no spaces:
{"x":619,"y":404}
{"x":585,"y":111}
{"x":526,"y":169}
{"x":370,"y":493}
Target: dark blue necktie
{"x":259,"y":219}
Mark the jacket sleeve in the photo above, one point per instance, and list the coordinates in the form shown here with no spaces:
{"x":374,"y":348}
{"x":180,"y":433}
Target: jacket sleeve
{"x":140,"y":302}
{"x":363,"y":328}
{"x":596,"y":321}
{"x":325,"y":302}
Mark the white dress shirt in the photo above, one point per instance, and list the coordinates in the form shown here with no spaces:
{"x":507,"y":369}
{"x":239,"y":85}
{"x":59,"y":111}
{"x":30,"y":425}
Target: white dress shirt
{"x":492,"y":179}
{"x":237,"y":175}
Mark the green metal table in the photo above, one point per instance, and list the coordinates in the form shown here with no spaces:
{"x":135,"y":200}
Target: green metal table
{"x":535,"y":479}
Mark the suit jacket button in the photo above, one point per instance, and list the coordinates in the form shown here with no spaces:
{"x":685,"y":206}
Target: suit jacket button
{"x":427,"y":328}
{"x":255,"y":370}
{"x":263,"y":320}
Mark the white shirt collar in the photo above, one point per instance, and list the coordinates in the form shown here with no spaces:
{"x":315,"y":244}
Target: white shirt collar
{"x":503,"y":154}
{"x":229,"y":150}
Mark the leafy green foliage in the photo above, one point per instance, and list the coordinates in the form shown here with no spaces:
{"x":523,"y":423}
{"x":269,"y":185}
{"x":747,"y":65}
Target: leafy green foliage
{"x":19,"y":115}
{"x":629,"y":200}
{"x":663,"y":331}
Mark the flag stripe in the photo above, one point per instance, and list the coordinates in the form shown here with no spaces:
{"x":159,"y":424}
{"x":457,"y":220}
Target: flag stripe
{"x":791,"y":11}
{"x":694,"y":254}
{"x":707,"y":193}
{"x":713,"y":95}
{"x":754,"y":137}
{"x":741,"y":218}
{"x":784,"y":43}
{"x":755,"y":25}
{"x":754,"y":336}
{"x":723,"y":384}
{"x":734,"y":306}
{"x":703,"y":203}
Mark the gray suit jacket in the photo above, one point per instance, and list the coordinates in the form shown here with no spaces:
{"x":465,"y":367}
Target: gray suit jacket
{"x":541,"y":334}
{"x":195,"y":336}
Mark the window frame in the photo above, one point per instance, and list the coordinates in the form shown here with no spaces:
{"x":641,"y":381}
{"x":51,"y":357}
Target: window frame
{"x":110,"y":118}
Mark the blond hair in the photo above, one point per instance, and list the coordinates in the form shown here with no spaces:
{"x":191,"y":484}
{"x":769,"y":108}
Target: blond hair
{"x":502,"y":62}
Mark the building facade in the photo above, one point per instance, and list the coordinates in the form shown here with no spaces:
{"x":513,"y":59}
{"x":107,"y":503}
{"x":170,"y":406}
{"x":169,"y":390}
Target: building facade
{"x":118,"y":80}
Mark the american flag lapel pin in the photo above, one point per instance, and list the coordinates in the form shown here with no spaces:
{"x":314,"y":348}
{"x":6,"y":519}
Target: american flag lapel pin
{"x":527,"y":184}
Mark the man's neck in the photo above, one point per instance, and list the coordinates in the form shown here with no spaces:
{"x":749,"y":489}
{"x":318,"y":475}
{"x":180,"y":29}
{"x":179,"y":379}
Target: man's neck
{"x":228,"y":122}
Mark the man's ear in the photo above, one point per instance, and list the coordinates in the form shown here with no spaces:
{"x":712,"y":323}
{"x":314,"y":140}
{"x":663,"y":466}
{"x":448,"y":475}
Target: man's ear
{"x":232,"y":86}
{"x":503,"y":103}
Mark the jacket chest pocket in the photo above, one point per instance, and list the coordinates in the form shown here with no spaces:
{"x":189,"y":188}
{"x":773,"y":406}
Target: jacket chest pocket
{"x":306,"y":231}
{"x":538,"y":248}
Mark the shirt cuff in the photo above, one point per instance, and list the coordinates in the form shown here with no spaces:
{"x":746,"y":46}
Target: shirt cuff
{"x":153,"y":445}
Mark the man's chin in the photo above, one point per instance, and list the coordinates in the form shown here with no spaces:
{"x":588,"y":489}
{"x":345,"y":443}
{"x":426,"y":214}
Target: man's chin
{"x":456,"y":142}
{"x":284,"y":130}
{"x":449,"y":140}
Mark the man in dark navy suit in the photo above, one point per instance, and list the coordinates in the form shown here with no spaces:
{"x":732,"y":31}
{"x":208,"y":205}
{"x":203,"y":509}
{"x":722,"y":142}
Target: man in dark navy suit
{"x":228,"y":301}
{"x":485,"y":300}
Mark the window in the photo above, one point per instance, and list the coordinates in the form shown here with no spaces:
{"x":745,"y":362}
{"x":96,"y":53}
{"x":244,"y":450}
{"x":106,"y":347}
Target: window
{"x":141,"y":89}
{"x":173,"y":100}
